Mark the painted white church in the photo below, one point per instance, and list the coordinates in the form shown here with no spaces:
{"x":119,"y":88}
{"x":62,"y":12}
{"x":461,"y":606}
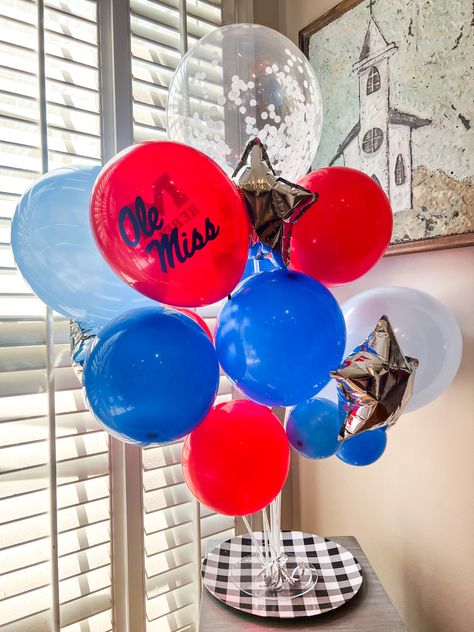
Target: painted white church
{"x":380,"y":144}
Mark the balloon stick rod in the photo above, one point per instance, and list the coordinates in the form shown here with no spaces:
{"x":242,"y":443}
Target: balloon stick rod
{"x":275,"y":526}
{"x":266,"y":535}
{"x":254,"y":541}
{"x":275,"y":512}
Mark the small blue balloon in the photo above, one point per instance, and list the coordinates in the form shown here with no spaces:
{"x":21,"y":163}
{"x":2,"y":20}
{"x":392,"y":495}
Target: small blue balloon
{"x":279,"y":336}
{"x":313,"y":428}
{"x":56,"y":253}
{"x":151,"y":376}
{"x":364,"y":448}
{"x":261,"y":259}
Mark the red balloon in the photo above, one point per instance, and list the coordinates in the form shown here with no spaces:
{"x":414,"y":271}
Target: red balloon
{"x":197,"y":319}
{"x":171,"y":223}
{"x":347,"y":230}
{"x":237,"y":460}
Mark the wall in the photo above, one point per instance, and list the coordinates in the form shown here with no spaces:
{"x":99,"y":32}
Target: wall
{"x":413,"y":511}
{"x":293,"y":15}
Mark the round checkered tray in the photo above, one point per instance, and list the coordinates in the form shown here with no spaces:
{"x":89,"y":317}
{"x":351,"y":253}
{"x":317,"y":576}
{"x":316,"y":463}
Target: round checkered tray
{"x":339,"y":576}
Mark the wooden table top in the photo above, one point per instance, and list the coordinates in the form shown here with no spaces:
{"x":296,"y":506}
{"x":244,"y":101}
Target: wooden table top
{"x":369,"y":611}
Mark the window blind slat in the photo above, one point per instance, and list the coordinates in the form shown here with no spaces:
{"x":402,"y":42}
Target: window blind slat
{"x":31,"y":333}
{"x":172,"y":601}
{"x":143,"y":134}
{"x":73,"y":588}
{"x":20,"y":582}
{"x":162,"y":498}
{"x":24,"y":556}
{"x":167,"y":539}
{"x":169,"y":580}
{"x":29,"y":382}
{"x":31,"y":357}
{"x":168,"y":558}
{"x":100,"y":622}
{"x":20,"y":608}
{"x":24,"y":530}
{"x":84,"y":537}
{"x":162,"y":478}
{"x":160,"y":457}
{"x":86,"y":607}
{"x":21,"y":11}
{"x":73,"y":518}
{"x":85,"y":9}
{"x":38,"y":621}
{"x":179,"y":619}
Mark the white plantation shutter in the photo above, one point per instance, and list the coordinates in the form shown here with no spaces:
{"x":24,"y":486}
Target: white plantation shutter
{"x":56,"y":484}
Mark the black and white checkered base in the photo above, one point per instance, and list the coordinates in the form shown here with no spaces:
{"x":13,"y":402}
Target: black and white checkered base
{"x":339,"y":576}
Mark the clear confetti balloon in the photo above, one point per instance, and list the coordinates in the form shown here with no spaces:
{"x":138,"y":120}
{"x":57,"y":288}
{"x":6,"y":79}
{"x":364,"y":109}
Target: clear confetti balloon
{"x":242,"y":81}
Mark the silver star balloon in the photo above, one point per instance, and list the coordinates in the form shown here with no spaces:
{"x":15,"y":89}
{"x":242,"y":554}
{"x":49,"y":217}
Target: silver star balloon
{"x":274,"y":204}
{"x":375,"y":382}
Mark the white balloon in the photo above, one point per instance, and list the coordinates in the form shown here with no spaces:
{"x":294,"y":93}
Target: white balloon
{"x":424,"y":328}
{"x":242,"y":81}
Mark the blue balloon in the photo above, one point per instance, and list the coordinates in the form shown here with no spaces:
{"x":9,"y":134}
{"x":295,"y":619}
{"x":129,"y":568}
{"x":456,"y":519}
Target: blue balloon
{"x":262,"y":258}
{"x":151,"y":376}
{"x":313,"y":428}
{"x":364,"y":448}
{"x":56,"y":253}
{"x":278,"y":337}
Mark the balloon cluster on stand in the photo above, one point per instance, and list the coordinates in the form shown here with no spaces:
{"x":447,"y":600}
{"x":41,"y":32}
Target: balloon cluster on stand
{"x":127,"y":251}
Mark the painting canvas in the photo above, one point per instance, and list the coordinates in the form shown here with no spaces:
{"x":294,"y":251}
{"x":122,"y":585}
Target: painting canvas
{"x":397,"y":83}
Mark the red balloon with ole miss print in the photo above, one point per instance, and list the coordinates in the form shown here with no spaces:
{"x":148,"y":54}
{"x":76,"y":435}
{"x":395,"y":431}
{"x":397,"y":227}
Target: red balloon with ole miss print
{"x":171,"y":223}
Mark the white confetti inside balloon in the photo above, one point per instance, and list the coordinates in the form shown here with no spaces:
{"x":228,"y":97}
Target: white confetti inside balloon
{"x":242,"y":81}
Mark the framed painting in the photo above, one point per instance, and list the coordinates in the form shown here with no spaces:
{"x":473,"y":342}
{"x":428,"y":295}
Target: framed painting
{"x":398,"y":99}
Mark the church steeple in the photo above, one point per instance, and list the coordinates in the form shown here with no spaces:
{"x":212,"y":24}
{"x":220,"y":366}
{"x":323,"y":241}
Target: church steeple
{"x":375,"y":47}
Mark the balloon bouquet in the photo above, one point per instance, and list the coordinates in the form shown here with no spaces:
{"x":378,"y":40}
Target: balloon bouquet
{"x":177,"y":225}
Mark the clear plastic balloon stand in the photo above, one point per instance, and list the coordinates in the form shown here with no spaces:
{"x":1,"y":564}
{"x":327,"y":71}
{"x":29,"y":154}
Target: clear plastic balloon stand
{"x":268,"y":572}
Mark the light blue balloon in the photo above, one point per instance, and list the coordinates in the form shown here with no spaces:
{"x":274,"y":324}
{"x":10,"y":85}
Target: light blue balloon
{"x":313,"y":428}
{"x":56,"y":253}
